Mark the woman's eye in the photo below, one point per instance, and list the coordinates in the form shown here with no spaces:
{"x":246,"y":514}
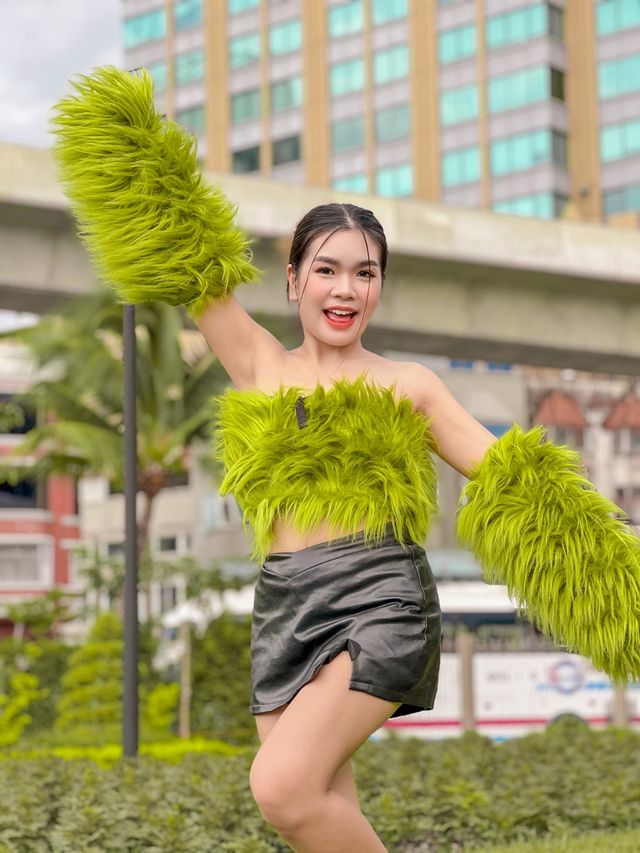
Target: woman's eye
{"x":328,"y":269}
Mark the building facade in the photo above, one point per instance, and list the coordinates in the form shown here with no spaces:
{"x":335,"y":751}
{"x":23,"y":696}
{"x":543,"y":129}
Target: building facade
{"x":528,"y":108}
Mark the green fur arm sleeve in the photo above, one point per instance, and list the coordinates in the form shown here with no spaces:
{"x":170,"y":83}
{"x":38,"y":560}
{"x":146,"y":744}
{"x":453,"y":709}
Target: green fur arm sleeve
{"x":153,"y":228}
{"x":537,"y":525}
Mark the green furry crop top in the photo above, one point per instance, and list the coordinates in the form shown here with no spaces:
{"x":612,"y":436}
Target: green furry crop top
{"x":345,"y":455}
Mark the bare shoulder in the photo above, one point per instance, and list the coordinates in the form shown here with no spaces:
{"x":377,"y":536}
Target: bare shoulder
{"x":418,"y":381}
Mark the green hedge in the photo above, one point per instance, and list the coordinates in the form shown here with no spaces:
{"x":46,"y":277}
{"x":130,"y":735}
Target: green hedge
{"x":420,"y":796}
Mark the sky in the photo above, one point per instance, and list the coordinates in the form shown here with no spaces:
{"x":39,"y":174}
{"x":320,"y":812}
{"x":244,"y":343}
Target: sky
{"x":43,"y":43}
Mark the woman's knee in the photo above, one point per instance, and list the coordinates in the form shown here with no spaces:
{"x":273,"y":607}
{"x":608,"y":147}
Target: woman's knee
{"x":281,"y":793}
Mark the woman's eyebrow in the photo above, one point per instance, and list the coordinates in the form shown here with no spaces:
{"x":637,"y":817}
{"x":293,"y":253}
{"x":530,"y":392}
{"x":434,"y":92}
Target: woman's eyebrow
{"x":337,"y":263}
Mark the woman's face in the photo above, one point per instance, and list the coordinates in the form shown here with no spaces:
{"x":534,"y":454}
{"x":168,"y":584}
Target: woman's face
{"x":339,"y":276}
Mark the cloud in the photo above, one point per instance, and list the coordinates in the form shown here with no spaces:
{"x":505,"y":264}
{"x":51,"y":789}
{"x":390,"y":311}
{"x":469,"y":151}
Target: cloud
{"x":43,"y":44}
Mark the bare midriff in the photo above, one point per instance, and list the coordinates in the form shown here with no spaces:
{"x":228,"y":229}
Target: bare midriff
{"x":287,"y":538}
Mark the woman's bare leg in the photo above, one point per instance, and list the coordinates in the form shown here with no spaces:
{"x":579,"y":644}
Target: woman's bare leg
{"x":342,"y":783}
{"x":318,"y":731}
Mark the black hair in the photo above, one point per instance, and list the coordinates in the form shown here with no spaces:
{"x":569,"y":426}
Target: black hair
{"x":330,"y":218}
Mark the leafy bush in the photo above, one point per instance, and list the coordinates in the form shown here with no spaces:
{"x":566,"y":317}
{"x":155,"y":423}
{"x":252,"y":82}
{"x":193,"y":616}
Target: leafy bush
{"x":420,"y":796}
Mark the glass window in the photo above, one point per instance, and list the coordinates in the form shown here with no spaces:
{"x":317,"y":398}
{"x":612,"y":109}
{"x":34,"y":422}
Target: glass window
{"x":285,"y":37}
{"x":556,"y":23}
{"x":526,"y":150}
{"x":346,"y":77}
{"x":526,"y":23}
{"x":620,"y":140}
{"x":457,"y":43}
{"x":391,"y":64}
{"x":354,"y":183}
{"x":286,"y":150}
{"x":187,"y":13}
{"x":286,"y":94}
{"x":619,"y":76}
{"x":392,"y":123}
{"x":615,"y":15}
{"x":522,"y":87}
{"x":235,"y":6}
{"x":189,"y":66}
{"x":192,"y":119}
{"x":347,"y":134}
{"x":346,"y":18}
{"x":245,"y":105}
{"x":540,"y":205}
{"x":458,"y":105}
{"x":395,"y":180}
{"x":461,"y":166}
{"x":389,"y":10}
{"x":557,"y":84}
{"x":142,"y":28}
{"x":626,"y":198}
{"x":158,"y":71}
{"x":244,"y":49}
{"x":247,"y":159}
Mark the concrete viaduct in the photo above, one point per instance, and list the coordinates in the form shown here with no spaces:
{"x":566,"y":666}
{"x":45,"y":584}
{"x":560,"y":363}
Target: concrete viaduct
{"x":461,"y":283}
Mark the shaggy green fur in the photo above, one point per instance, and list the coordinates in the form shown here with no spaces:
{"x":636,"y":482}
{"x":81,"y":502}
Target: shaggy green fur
{"x":153,"y":228}
{"x":536,"y":524}
{"x":362,"y":455}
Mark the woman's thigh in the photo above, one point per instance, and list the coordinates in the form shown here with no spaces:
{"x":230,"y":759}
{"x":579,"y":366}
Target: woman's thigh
{"x":342,"y":782}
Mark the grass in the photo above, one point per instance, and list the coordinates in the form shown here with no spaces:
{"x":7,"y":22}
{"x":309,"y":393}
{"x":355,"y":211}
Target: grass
{"x":593,"y":842}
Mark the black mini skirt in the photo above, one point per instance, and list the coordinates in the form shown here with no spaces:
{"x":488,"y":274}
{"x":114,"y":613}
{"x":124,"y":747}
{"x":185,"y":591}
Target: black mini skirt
{"x":380,"y":603}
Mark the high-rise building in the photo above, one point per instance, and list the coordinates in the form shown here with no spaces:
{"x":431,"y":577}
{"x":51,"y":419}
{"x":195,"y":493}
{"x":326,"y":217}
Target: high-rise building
{"x":514,"y":106}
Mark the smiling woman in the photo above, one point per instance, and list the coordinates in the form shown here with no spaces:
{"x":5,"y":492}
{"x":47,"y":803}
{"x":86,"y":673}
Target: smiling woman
{"x":328,"y":449}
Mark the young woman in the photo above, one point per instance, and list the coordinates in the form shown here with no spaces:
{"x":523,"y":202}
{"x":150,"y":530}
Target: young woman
{"x":348,"y":631}
{"x":328,"y":450}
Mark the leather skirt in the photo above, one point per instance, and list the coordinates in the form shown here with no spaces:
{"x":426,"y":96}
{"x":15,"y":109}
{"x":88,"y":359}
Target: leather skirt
{"x":379,"y":603}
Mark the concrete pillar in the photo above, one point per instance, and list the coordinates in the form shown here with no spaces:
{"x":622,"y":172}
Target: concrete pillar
{"x":465,"y":642}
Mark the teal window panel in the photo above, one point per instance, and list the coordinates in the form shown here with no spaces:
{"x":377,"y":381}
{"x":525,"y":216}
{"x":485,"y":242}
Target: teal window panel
{"x":395,"y":180}
{"x":619,"y":76}
{"x":158,"y":71}
{"x":347,"y":134}
{"x":189,"y":67}
{"x":244,"y":49}
{"x":499,"y":365}
{"x":393,"y":123}
{"x":345,"y":77}
{"x":285,"y":37}
{"x":625,"y":198}
{"x":519,"y":89}
{"x":247,"y":159}
{"x":391,"y":64}
{"x":539,"y":205}
{"x":461,"y":166}
{"x":143,"y":28}
{"x":457,"y":43}
{"x":522,"y":25}
{"x":187,"y":13}
{"x":286,"y":150}
{"x":461,"y":363}
{"x":615,"y":15}
{"x":389,"y":10}
{"x":286,"y":94}
{"x":353,"y":183}
{"x":620,"y":140}
{"x":525,"y":150}
{"x":345,"y":19}
{"x":458,"y":105}
{"x":245,"y":105}
{"x":235,"y":6}
{"x":192,"y":119}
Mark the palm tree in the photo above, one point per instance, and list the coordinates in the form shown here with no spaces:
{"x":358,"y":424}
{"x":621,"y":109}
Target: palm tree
{"x":78,"y":394}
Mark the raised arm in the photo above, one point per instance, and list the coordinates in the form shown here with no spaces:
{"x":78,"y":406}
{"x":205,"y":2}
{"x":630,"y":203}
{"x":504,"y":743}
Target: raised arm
{"x":237,"y":340}
{"x":153,"y":228}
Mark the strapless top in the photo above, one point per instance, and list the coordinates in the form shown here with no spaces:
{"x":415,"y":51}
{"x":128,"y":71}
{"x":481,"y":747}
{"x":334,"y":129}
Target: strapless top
{"x":341,"y":455}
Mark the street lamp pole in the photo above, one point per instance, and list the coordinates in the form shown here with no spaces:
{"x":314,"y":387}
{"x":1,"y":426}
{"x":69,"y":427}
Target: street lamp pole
{"x":130,"y":707}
